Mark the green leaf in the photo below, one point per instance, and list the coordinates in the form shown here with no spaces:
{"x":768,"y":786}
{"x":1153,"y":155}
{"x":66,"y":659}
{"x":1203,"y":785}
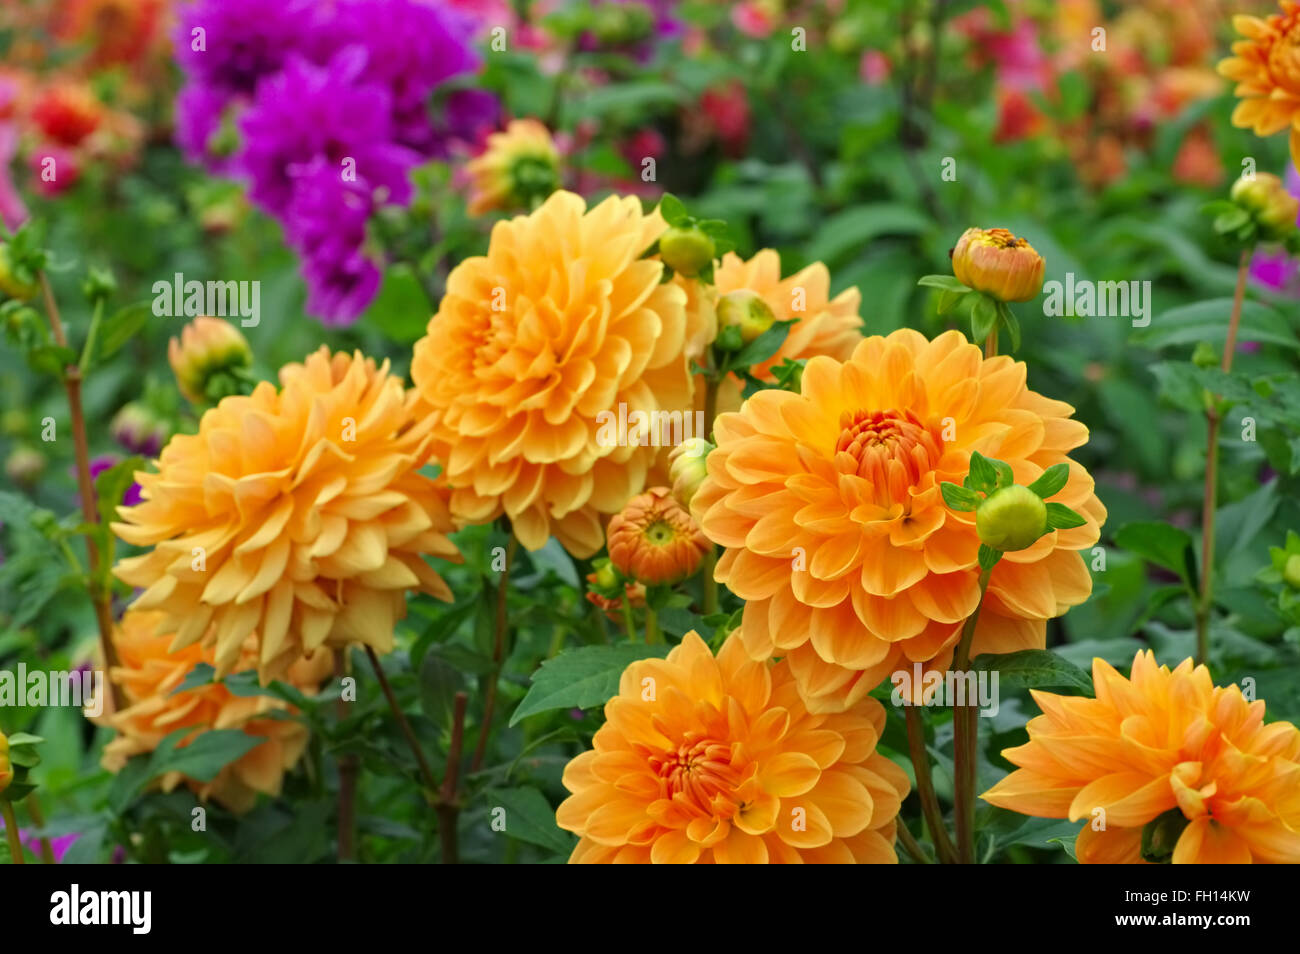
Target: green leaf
{"x":581,"y":678}
{"x":1034,"y":669}
{"x":529,"y":817}
{"x":983,"y":318}
{"x":983,"y":476}
{"x":958,"y":498}
{"x":121,"y":327}
{"x":1161,"y":544}
{"x":671,"y":208}
{"x":401,"y":310}
{"x":762,"y":347}
{"x":988,"y":557}
{"x":1007,"y":318}
{"x":51,"y":359}
{"x":201,"y":675}
{"x":1208,"y":321}
{"x":439,"y":683}
{"x":1051,"y":481}
{"x":112,"y":484}
{"x":202,"y":759}
{"x":851,"y":230}
{"x":944,"y":282}
{"x":1061,"y":517}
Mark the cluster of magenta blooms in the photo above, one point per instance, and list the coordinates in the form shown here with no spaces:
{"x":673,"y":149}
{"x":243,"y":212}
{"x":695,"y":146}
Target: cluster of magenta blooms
{"x":323,"y":109}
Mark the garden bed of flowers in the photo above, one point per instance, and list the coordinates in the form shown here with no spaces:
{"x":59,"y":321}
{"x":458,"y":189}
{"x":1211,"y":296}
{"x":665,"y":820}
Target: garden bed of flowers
{"x":650,"y":431}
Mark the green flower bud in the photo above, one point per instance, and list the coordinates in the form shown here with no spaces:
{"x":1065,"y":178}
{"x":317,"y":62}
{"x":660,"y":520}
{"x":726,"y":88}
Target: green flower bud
{"x":746,"y":311}
{"x":12,"y":282}
{"x":687,"y":468}
{"x":1272,"y":207}
{"x":1012,"y":518}
{"x":1291,"y":572}
{"x":1205,"y":356}
{"x":686,"y":251}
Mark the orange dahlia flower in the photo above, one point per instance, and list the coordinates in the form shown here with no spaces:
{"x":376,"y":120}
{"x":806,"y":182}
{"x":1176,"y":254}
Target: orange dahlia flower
{"x":1161,"y":742}
{"x":1266,"y":68}
{"x":532,"y":352}
{"x":828,"y":503}
{"x":718,"y":761}
{"x":299,"y":514}
{"x":149,"y":675}
{"x":653,"y":540}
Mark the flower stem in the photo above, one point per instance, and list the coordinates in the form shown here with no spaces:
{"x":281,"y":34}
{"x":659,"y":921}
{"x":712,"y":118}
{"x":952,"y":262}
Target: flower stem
{"x":652,"y":634}
{"x":991,"y":343}
{"x":99,"y":591}
{"x":628,"y":622}
{"x":426,"y":774}
{"x":38,"y":819}
{"x":348,"y":770}
{"x":909,"y":842}
{"x":925,"y":785}
{"x":11,"y":831}
{"x":448,"y":803}
{"x":965,"y":723}
{"x":1205,"y":598}
{"x":498,"y":658}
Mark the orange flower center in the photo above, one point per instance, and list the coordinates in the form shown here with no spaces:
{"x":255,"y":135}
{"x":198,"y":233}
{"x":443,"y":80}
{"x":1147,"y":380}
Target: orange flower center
{"x":702,"y":771}
{"x":660,"y":533}
{"x":891,"y":449}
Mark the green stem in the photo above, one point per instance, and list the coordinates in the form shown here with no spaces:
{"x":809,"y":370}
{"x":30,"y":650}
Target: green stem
{"x":930,"y":809}
{"x":1209,"y":501}
{"x":652,"y":634}
{"x":965,"y":719}
{"x":38,"y":819}
{"x":628,"y":622}
{"x":498,"y":658}
{"x":11,"y":831}
{"x":909,"y":842}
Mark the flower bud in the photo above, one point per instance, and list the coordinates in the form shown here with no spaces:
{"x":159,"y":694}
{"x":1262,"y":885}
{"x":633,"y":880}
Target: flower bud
{"x":686,"y":251}
{"x":1012,"y":518}
{"x":1291,"y":571}
{"x":137,"y":429}
{"x":14,"y":282}
{"x":24,"y":466}
{"x":747,"y":311}
{"x":6,"y":768}
{"x":1160,"y":836}
{"x":517,"y":170}
{"x":1266,"y":199}
{"x":208,"y":348}
{"x":654,"y":541}
{"x":1205,"y":356}
{"x":997,"y":263}
{"x":687,"y":468}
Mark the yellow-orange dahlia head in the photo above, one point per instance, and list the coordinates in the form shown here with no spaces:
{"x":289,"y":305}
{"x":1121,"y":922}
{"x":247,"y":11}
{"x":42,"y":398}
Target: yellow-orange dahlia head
{"x":532,"y":352}
{"x":654,"y":540}
{"x":299,"y":514}
{"x":718,"y":761}
{"x":828,"y":503}
{"x":149,"y":673}
{"x":1266,"y":68}
{"x":1166,"y":752}
{"x":519,"y":166}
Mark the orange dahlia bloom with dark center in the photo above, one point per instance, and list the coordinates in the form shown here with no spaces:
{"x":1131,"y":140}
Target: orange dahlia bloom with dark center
{"x":1266,"y":68}
{"x":1167,"y":748}
{"x":298,"y":514}
{"x":828,"y":503}
{"x":705,"y":760}
{"x":560,"y":329}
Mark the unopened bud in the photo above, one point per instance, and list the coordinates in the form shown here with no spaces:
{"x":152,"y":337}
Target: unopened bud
{"x":1012,"y":518}
{"x":687,"y":468}
{"x":686,"y":250}
{"x":746,"y":311}
{"x":998,"y":263}
{"x":1273,"y":208}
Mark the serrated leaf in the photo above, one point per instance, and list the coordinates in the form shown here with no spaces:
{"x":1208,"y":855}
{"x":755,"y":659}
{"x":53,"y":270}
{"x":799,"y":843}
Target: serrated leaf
{"x":581,"y":678}
{"x":1034,"y":669}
